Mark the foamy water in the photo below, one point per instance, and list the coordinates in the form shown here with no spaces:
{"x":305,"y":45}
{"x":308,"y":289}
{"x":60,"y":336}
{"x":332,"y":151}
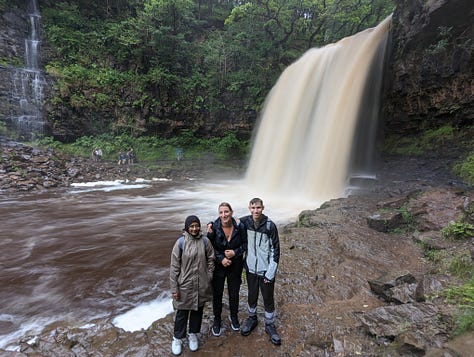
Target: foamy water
{"x":142,"y":316}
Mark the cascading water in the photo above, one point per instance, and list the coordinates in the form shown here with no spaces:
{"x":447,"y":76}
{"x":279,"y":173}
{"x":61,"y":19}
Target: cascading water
{"x":304,"y":147}
{"x":27,"y":83}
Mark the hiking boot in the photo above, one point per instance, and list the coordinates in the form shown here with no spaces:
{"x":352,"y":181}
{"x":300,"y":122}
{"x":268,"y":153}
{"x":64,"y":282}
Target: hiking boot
{"x":216,"y":327}
{"x":249,"y":325}
{"x":272,"y":332}
{"x":234,"y":322}
{"x":176,"y":346}
{"x":193,"y":342}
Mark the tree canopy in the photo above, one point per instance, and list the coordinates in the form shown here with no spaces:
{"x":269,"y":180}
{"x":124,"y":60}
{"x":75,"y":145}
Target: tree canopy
{"x":155,"y":67}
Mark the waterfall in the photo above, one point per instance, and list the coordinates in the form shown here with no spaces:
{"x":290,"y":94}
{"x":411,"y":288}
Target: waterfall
{"x":305,"y":147}
{"x":28,"y":82}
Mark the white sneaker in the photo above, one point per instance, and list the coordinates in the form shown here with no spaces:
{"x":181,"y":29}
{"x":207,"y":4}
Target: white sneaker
{"x":176,"y":346}
{"x":193,"y":342}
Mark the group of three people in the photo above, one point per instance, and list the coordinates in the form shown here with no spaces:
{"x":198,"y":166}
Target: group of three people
{"x":200,"y":266}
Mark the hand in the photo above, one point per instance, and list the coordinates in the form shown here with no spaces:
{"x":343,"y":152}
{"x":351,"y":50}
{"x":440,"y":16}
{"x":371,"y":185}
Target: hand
{"x":175,"y":296}
{"x":229,"y":253}
{"x":209,"y":228}
{"x":266,"y":281}
{"x":226,"y":262}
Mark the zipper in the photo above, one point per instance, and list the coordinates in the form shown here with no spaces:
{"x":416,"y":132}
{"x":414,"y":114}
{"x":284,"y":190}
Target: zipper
{"x":255,"y":250}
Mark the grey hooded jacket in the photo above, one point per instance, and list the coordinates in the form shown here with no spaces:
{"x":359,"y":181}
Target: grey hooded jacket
{"x":263,"y":247}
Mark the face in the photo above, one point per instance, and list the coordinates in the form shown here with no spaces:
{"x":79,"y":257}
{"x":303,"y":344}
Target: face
{"x":194,"y":228}
{"x":225,"y":214}
{"x":256,"y":210}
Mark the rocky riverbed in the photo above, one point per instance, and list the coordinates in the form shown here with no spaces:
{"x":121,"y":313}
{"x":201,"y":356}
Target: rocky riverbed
{"x":357,"y":278}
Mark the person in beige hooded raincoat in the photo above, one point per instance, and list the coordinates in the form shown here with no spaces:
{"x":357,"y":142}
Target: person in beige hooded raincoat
{"x":191,"y":268}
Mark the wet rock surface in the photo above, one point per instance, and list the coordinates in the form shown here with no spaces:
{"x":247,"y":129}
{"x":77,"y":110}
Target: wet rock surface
{"x":344,"y":287}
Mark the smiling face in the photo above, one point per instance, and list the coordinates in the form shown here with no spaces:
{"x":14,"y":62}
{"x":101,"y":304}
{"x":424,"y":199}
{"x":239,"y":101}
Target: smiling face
{"x":225,"y":214}
{"x":256,"y":210}
{"x":194,"y":228}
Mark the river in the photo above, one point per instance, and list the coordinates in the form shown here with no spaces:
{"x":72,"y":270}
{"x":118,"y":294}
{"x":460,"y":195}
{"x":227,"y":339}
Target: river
{"x":101,"y":249}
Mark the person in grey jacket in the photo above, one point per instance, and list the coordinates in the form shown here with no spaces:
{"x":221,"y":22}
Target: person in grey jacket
{"x":191,"y":269}
{"x":263,"y":255}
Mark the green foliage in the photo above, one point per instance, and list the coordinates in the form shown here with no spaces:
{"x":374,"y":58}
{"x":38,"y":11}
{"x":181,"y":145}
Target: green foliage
{"x":407,"y":216}
{"x":458,"y":231}
{"x":465,"y":169}
{"x":417,"y":145}
{"x":48,"y":142}
{"x":11,"y":61}
{"x":132,"y":66}
{"x":443,"y":42}
{"x":433,"y":255}
{"x":463,"y":296}
{"x":408,"y":223}
{"x":150,"y":149}
{"x":461,"y":265}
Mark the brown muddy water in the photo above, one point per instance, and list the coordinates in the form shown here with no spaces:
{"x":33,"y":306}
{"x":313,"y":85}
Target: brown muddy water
{"x":69,"y":256}
{"x":102,"y":249}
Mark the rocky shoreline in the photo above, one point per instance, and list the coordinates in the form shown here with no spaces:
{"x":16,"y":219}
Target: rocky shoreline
{"x":24,"y":168}
{"x":354,"y":278}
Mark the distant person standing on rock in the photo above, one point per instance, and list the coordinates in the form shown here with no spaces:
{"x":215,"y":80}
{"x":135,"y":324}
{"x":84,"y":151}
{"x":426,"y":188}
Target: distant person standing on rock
{"x":229,"y":239}
{"x":191,"y":268}
{"x":263,"y":255}
{"x":99,"y":154}
{"x":179,"y":154}
{"x":96,"y":154}
{"x":131,"y":157}
{"x":122,"y":158}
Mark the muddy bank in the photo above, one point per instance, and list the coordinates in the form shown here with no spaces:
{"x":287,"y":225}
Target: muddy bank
{"x":354,"y":280}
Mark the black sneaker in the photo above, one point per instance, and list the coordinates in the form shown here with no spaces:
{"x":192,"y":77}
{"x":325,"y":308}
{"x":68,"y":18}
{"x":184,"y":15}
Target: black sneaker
{"x":216,"y":328}
{"x":234,"y":323}
{"x":272,"y":332}
{"x":249,"y":325}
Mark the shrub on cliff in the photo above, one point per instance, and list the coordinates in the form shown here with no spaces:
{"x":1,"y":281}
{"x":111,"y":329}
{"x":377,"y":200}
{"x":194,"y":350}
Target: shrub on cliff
{"x":465,"y":169}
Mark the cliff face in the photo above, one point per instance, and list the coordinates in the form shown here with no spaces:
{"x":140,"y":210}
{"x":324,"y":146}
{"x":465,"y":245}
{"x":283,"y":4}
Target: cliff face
{"x":12,"y":52}
{"x":429,"y":79}
{"x":23,"y":84}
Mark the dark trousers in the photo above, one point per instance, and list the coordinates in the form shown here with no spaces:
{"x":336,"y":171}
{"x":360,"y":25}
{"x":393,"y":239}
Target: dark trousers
{"x":181,"y":321}
{"x":233,"y":274}
{"x":255,"y":284}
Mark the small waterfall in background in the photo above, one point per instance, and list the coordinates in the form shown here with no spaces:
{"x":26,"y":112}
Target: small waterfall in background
{"x":305,"y":148}
{"x":28,"y":82}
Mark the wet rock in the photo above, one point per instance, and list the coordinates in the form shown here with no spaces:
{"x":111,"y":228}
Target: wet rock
{"x":416,"y":327}
{"x":385,"y":221}
{"x":395,"y":287}
{"x":431,"y":240}
{"x":460,"y":346}
{"x":433,"y":209}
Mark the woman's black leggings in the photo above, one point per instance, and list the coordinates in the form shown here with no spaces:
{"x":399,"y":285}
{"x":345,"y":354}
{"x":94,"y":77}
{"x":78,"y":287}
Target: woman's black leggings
{"x":233,"y":274}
